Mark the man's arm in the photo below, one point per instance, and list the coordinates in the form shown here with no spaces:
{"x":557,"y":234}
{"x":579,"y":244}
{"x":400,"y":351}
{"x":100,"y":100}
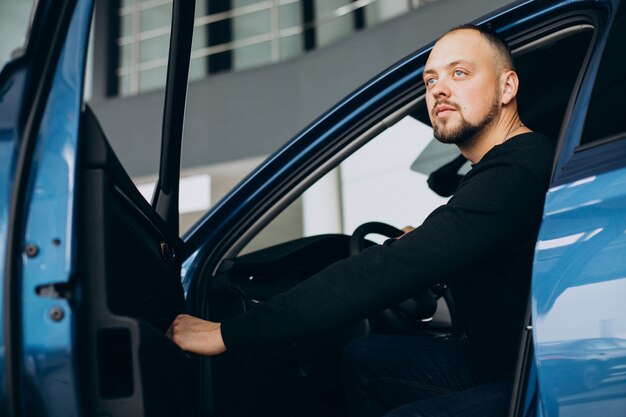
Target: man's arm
{"x":198,"y":336}
{"x":486,"y":218}
{"x":205,"y":337}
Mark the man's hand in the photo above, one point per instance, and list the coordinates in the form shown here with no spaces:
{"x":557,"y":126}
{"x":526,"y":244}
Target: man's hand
{"x":197,"y":336}
{"x":406,"y":229}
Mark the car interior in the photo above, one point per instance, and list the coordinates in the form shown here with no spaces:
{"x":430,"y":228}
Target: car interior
{"x":129,"y":271}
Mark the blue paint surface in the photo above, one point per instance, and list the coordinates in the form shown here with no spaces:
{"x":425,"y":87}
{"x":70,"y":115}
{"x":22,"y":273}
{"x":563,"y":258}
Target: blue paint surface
{"x":579,"y":288}
{"x":49,"y":360}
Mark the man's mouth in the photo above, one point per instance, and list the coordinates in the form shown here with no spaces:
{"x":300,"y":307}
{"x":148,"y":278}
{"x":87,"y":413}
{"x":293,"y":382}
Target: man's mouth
{"x":443,"y":110}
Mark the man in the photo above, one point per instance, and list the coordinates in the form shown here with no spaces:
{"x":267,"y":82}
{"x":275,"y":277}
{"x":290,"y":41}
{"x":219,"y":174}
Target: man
{"x":480,"y":243}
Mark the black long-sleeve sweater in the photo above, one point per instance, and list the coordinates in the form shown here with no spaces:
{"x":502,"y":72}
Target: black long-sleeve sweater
{"x":480,"y":243}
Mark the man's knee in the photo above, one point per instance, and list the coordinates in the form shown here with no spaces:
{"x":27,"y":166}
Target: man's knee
{"x":362,"y":356}
{"x":353,"y":358}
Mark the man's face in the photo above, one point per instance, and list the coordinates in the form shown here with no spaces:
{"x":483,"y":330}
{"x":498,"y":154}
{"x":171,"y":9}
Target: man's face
{"x":462,"y":86}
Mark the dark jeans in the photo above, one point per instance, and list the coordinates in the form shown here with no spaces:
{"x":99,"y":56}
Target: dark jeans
{"x":401,"y":376}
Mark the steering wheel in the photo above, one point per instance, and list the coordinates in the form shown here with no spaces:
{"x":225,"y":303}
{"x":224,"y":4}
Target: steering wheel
{"x":409,"y":315}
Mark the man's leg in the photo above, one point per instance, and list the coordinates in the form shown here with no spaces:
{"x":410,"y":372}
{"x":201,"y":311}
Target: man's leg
{"x":490,"y":400}
{"x":381,"y":373}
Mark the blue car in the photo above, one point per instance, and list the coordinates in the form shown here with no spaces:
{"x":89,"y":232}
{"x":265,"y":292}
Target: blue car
{"x":93,"y":274}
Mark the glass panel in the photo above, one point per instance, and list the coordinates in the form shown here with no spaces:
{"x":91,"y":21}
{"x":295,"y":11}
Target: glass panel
{"x":124,"y":85}
{"x":252,"y":24}
{"x":331,"y":27}
{"x":199,"y":37}
{"x":197,"y":68}
{"x":607,"y":98}
{"x":290,"y":15}
{"x":291,"y":46}
{"x":13,"y":28}
{"x":222,"y":178}
{"x":201,"y":8}
{"x":156,"y":17}
{"x":371,"y":177}
{"x":363,"y":188}
{"x":126,"y":55}
{"x":254,"y":27}
{"x":334,"y":30}
{"x":126,"y":25}
{"x":252,"y":56}
{"x":240,"y":3}
{"x":154,"y":48}
{"x":288,"y":225}
{"x":152,"y":79}
{"x":328,"y":7}
{"x":380,"y":11}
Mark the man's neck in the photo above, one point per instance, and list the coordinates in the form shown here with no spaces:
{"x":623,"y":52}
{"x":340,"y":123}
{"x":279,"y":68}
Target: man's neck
{"x":495,"y":134}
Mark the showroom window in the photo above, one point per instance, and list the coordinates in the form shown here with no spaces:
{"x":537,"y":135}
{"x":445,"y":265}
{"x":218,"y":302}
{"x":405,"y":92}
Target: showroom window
{"x":14,"y":30}
{"x":229,"y":34}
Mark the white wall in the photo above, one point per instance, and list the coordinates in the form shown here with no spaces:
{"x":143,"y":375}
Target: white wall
{"x":374,"y":184}
{"x":377,"y":182}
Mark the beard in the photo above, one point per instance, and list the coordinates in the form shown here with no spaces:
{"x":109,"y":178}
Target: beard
{"x":465,"y":130}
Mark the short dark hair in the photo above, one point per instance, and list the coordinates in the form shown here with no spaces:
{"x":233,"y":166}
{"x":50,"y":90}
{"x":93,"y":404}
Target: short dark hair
{"x":503,"y":52}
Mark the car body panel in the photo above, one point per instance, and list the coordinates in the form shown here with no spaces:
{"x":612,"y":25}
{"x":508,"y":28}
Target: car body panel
{"x":47,"y":355}
{"x":579,"y":288}
{"x":48,"y":330}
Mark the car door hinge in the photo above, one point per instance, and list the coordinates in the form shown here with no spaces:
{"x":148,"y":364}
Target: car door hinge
{"x":57,"y":290}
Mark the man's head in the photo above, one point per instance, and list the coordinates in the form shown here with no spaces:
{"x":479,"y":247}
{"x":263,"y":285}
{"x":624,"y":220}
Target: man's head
{"x":470,"y":78}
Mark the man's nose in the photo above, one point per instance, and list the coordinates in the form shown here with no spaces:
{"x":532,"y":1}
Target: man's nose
{"x":440,"y":89}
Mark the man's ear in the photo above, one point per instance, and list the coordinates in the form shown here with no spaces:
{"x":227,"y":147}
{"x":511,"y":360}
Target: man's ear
{"x":510,"y":83}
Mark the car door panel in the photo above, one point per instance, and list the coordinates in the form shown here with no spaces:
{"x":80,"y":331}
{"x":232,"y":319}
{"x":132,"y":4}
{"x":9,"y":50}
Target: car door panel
{"x":298,"y":378}
{"x":41,"y":351}
{"x":578,"y":280}
{"x":579,"y":291}
{"x":92,"y":281}
{"x":130,"y":289}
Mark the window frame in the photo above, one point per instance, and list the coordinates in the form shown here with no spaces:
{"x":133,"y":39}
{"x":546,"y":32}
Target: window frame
{"x":574,"y":160}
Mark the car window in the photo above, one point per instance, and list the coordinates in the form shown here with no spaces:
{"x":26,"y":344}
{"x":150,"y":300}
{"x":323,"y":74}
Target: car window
{"x":16,"y":15}
{"x":383,"y":181}
{"x":607,"y":106}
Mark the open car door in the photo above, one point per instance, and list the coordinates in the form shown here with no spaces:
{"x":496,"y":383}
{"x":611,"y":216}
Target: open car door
{"x":91,"y":273}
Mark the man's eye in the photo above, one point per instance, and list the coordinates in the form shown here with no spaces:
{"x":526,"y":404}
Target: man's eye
{"x":459,"y":73}
{"x":430,"y":81}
